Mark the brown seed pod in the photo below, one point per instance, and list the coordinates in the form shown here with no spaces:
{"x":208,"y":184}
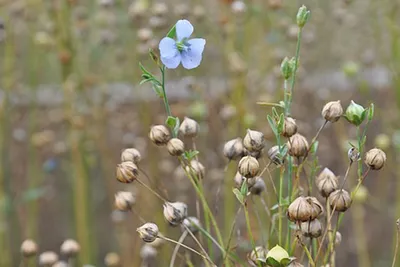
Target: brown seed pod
{"x":131,"y":154}
{"x":311,"y":229}
{"x":29,"y":248}
{"x":289,"y":127}
{"x":189,"y":127}
{"x":300,"y":210}
{"x":332,"y":111}
{"x":234,"y":149}
{"x":297,"y":146}
{"x":175,"y":147}
{"x":375,"y":159}
{"x":326,"y":182}
{"x":70,"y":248}
{"x":340,"y":200}
{"x":148,"y":232}
{"x":254,"y":141}
{"x":159,"y":135}
{"x":175,"y":212}
{"x":257,"y":256}
{"x":248,"y":167}
{"x":48,"y":258}
{"x":127,"y":172}
{"x":124,"y":200}
{"x":274,"y":155}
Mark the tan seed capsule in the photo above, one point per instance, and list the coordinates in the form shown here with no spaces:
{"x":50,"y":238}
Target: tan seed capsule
{"x":175,"y":212}
{"x":191,"y":223}
{"x":312,"y":228}
{"x":159,"y":135}
{"x":254,"y":141}
{"x":289,"y":127}
{"x":257,"y":256}
{"x":317,"y":208}
{"x":375,"y":159}
{"x":326,"y":182}
{"x":124,"y":200}
{"x":234,"y":149}
{"x":175,"y":147}
{"x":48,"y":258}
{"x":127,"y":172}
{"x":300,"y":210}
{"x":70,"y":248}
{"x":189,"y":127}
{"x":148,"y":232}
{"x":274,"y":155}
{"x":197,"y":169}
{"x":353,"y":154}
{"x":29,"y":248}
{"x":112,"y":259}
{"x":340,"y":200}
{"x":297,"y":146}
{"x":131,"y":154}
{"x":248,"y":167}
{"x":332,"y":111}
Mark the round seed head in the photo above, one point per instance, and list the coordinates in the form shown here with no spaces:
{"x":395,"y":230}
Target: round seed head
{"x":131,"y":154}
{"x":29,"y":248}
{"x":300,"y":210}
{"x":189,"y":128}
{"x":248,"y":167}
{"x":48,"y":258}
{"x":175,"y":212}
{"x":112,"y":259}
{"x":254,"y":141}
{"x":191,"y":223}
{"x":289,"y":127}
{"x":297,"y":146}
{"x":311,"y":229}
{"x":234,"y":149}
{"x":175,"y":147}
{"x":274,"y":155}
{"x":257,"y":256}
{"x":148,"y":232}
{"x":127,"y":172}
{"x":124,"y":200}
{"x":340,"y":200}
{"x":326,"y":182}
{"x":332,"y":111}
{"x":70,"y":248}
{"x":317,"y":208}
{"x":258,"y":187}
{"x":159,"y":135}
{"x":196,"y":168}
{"x":375,"y":159}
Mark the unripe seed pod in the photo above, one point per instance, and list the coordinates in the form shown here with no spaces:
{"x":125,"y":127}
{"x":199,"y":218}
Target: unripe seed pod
{"x":253,"y":141}
{"x":300,"y":210}
{"x":112,"y":259}
{"x":127,"y":172}
{"x":148,"y":232}
{"x":191,"y":223}
{"x":311,"y":229}
{"x":175,"y":213}
{"x":340,"y":200}
{"x":124,"y":200}
{"x":159,"y":135}
{"x":289,"y":127}
{"x":131,"y":154}
{"x":274,"y":155}
{"x":258,"y":187}
{"x":297,"y":146}
{"x":189,"y":127}
{"x":70,"y":248}
{"x":29,"y":248}
{"x":175,"y":147}
{"x":197,"y":169}
{"x":234,"y":149}
{"x":375,"y":158}
{"x":248,"y":167}
{"x":257,"y":256}
{"x":326,"y":182}
{"x":332,"y":111}
{"x":48,"y":258}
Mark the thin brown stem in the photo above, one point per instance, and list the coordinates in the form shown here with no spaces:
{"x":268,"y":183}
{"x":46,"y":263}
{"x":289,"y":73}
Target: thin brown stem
{"x":152,"y":191}
{"x":197,"y":242}
{"x":396,"y":250}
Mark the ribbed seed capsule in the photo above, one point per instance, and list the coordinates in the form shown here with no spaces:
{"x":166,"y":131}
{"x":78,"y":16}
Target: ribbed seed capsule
{"x":274,"y":155}
{"x":131,"y":154}
{"x":375,"y":159}
{"x":257,"y":256}
{"x":311,"y":229}
{"x":127,"y":172}
{"x":159,"y":135}
{"x":254,"y":140}
{"x":300,"y":210}
{"x":332,"y":111}
{"x":175,"y":212}
{"x":124,"y":201}
{"x":175,"y":147}
{"x":340,"y":200}
{"x":317,"y":208}
{"x":249,"y":167}
{"x":326,"y":182}
{"x":297,"y":146}
{"x":189,"y":127}
{"x":29,"y":248}
{"x":148,"y":232}
{"x":258,"y":187}
{"x":234,"y":149}
{"x":289,"y":127}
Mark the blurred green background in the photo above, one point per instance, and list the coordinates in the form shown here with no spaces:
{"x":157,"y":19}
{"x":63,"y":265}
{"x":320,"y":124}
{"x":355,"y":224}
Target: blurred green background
{"x":70,"y":102}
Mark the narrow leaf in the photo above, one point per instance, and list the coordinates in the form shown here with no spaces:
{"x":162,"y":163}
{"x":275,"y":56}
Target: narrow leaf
{"x":238,"y":195}
{"x":172,"y":32}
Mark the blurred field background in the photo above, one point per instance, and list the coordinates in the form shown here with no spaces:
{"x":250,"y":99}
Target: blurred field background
{"x":71,"y":102}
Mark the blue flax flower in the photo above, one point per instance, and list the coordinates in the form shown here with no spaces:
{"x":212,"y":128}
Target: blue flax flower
{"x":185,"y":50}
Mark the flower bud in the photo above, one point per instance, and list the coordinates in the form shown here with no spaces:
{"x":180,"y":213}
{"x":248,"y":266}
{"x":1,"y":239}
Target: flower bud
{"x":112,"y":259}
{"x":257,"y":256}
{"x":29,"y":248}
{"x":131,"y":154}
{"x":159,"y":135}
{"x":70,"y":248}
{"x":355,"y":113}
{"x":253,"y":141}
{"x":353,"y":154}
{"x":297,"y":146}
{"x":302,"y":16}
{"x":278,"y":254}
{"x":289,"y":127}
{"x":148,"y":232}
{"x":175,"y":147}
{"x":340,"y":200}
{"x":258,"y":187}
{"x":234,"y":149}
{"x":311,"y":229}
{"x":332,"y":111}
{"x":127,"y":172}
{"x":375,"y":159}
{"x":248,"y":167}
{"x":175,"y":212}
{"x":274,"y":155}
{"x":286,"y":68}
{"x":189,"y":127}
{"x":196,"y":168}
{"x":191,"y":223}
{"x":48,"y":258}
{"x":124,"y":201}
{"x":326,"y":182}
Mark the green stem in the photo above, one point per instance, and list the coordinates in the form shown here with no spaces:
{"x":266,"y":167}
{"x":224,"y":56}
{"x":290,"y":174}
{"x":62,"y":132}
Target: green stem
{"x":296,"y":61}
{"x":280,"y":205}
{"x":165,"y":98}
{"x":253,"y":244}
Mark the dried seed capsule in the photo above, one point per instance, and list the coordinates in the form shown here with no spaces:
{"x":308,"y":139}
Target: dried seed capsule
{"x":257,"y":256}
{"x":375,"y":158}
{"x":289,"y":127}
{"x":253,"y":141}
{"x":112,"y":259}
{"x":300,"y":210}
{"x":159,"y":135}
{"x":297,"y":146}
{"x":332,"y":111}
{"x":326,"y":182}
{"x":127,"y":172}
{"x":312,"y":228}
{"x":29,"y":248}
{"x":196,"y":168}
{"x":340,"y":200}
{"x":254,"y":154}
{"x":175,"y":147}
{"x":48,"y":258}
{"x":148,"y":232}
{"x":258,"y":187}
{"x":353,"y":154}
{"x":248,"y":167}
{"x":124,"y":201}
{"x":175,"y":212}
{"x":131,"y":154}
{"x":189,"y":127}
{"x":70,"y":248}
{"x":317,"y":208}
{"x":274,"y":155}
{"x":234,"y":149}
{"x":191,"y":223}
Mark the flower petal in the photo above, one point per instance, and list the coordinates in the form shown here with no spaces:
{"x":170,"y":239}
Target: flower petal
{"x":183,"y":29}
{"x":169,"y":53}
{"x":191,"y":58}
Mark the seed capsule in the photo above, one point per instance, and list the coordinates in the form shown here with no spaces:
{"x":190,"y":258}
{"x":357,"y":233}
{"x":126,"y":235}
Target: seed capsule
{"x":197,"y":169}
{"x":317,"y":208}
{"x":311,"y":229}
{"x":159,"y":135}
{"x":48,"y":258}
{"x":375,"y":158}
{"x":289,"y":127}
{"x":175,"y":212}
{"x":274,"y":155}
{"x":340,"y":200}
{"x":234,"y":149}
{"x":131,"y":154}
{"x":326,"y":182}
{"x":189,"y":127}
{"x":191,"y":223}
{"x":304,"y":209}
{"x":127,"y":172}
{"x":253,"y":141}
{"x":297,"y":146}
{"x":353,"y":154}
{"x":257,"y":256}
{"x":70,"y":248}
{"x":332,"y":111}
{"x":175,"y":147}
{"x":124,"y":200}
{"x":148,"y":232}
{"x":258,"y":187}
{"x":248,"y":167}
{"x":29,"y":248}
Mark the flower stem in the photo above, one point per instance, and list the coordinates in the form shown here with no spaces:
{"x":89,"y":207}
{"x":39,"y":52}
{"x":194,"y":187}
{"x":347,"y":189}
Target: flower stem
{"x":165,"y":98}
{"x":253,"y":244}
{"x":296,"y":61}
{"x":198,"y":243}
{"x":176,"y":249}
{"x":396,"y":250}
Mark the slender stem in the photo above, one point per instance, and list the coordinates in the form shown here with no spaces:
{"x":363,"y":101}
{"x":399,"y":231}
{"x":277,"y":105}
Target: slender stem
{"x":198,"y":243}
{"x":151,"y":190}
{"x":329,"y":227}
{"x":176,"y":249}
{"x":296,"y":61}
{"x":346,"y":174}
{"x":396,"y":250}
{"x":260,"y":224}
{"x":310,"y":259}
{"x":231,"y":231}
{"x":165,"y":98}
{"x":253,"y":244}
{"x":280,"y":205}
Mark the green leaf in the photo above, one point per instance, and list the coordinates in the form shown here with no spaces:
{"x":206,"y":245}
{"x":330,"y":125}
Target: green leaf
{"x":371,"y":112}
{"x":173,"y":123}
{"x":281,"y":123}
{"x":238,"y":195}
{"x":244,"y":188}
{"x":314,"y":147}
{"x":172,"y":32}
{"x":272,"y":125}
{"x":272,"y":262}
{"x":157,"y":90}
{"x":189,"y":155}
{"x":275,"y":113}
{"x":285,"y":262}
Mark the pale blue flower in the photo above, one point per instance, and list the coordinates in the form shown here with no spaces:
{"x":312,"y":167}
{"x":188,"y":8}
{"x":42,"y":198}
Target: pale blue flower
{"x":185,"y":50}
